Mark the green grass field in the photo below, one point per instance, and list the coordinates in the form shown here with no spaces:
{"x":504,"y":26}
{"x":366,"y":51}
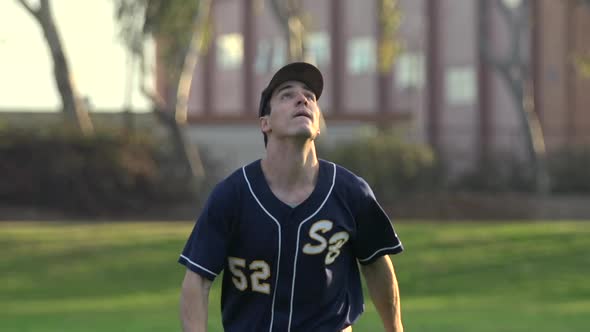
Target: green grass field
{"x":453,"y":277}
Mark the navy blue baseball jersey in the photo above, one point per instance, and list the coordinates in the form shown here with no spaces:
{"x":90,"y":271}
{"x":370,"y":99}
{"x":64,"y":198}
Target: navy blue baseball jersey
{"x":289,"y":268}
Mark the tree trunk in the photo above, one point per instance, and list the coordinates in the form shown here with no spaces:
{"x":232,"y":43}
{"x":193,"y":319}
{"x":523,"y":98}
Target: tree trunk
{"x":192,"y":167}
{"x":174,"y":114}
{"x":288,"y":14}
{"x":514,"y":71}
{"x":197,"y":46}
{"x":73,"y":109}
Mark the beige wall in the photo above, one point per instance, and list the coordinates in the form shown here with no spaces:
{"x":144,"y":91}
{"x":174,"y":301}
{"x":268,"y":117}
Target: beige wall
{"x":563,"y":92}
{"x":553,"y":76}
{"x":581,"y":84}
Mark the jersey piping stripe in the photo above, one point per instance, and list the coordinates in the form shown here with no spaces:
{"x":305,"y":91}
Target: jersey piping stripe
{"x":274,"y":291}
{"x":199,"y":266}
{"x":378,"y":251}
{"x":297,"y":244}
{"x":348,"y":313}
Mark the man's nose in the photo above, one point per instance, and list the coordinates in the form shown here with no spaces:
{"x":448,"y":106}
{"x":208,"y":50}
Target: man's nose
{"x":301,"y":99}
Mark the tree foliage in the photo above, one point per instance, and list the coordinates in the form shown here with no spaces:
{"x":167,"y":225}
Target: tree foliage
{"x":514,"y":69}
{"x":390,"y":45}
{"x":180,"y":29}
{"x":168,"y":21}
{"x":291,"y":16}
{"x":582,"y":63}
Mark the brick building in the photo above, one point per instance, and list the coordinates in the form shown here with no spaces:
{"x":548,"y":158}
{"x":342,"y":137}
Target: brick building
{"x":444,"y":89}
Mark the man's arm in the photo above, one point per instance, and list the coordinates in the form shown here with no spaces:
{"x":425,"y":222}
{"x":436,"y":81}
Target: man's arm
{"x":384,"y":291}
{"x":194,"y":300}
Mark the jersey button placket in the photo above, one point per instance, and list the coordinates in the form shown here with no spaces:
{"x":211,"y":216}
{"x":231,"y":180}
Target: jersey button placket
{"x":283,"y":301}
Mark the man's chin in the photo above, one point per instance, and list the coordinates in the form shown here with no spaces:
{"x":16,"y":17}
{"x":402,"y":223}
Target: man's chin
{"x":308,"y":136}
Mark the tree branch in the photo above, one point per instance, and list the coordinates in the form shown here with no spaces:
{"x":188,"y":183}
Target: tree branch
{"x":520,"y":26}
{"x":493,"y":61}
{"x":279,"y":11}
{"x":506,"y":12}
{"x":157,"y":100}
{"x":36,"y":13}
{"x":197,"y":44}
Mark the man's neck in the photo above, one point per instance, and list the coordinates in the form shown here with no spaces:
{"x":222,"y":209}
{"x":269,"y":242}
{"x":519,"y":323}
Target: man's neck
{"x":290,"y":166}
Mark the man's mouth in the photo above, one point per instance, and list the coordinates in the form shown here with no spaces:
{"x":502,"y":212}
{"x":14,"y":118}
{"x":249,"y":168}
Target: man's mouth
{"x":304,"y":114}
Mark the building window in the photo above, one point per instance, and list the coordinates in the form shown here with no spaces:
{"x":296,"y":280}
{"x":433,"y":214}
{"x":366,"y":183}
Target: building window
{"x":318,"y":48}
{"x":270,"y":55}
{"x":362,"y":56}
{"x":279,"y":54}
{"x":460,"y":85}
{"x":230,"y":51}
{"x":263,"y":56}
{"x":409,"y":71}
{"x":512,"y":4}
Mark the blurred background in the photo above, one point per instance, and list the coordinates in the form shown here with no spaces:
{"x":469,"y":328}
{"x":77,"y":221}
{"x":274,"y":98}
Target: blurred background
{"x":474,"y":97}
{"x":118,"y":116}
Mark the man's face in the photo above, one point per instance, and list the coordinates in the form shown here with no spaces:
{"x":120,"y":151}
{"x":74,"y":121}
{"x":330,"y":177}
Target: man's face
{"x":294,"y":113}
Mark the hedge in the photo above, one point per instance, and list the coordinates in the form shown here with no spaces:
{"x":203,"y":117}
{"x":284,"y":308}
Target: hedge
{"x":107,"y":173}
{"x":391,"y":166}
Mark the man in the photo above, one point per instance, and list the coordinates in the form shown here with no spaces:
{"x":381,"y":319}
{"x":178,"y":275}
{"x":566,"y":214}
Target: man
{"x":289,"y":229}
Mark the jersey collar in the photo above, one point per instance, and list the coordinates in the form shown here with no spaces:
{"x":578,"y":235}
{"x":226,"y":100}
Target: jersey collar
{"x":278,"y":208}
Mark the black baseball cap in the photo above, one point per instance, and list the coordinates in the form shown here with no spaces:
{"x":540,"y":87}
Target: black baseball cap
{"x":303,"y":72}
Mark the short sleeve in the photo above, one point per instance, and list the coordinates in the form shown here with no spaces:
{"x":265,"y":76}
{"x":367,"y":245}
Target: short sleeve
{"x":205,"y":251}
{"x":375,"y":233}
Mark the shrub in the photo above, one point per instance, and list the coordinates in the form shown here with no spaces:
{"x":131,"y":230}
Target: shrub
{"x":502,"y":173}
{"x":391,"y":166}
{"x":103,"y":174}
{"x":569,"y":169}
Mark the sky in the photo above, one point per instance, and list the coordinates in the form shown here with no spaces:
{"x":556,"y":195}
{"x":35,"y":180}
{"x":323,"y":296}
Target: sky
{"x":98,"y":60}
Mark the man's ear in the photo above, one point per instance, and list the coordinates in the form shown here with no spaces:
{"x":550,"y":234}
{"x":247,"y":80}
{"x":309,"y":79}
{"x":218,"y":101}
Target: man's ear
{"x":265,"y":124}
